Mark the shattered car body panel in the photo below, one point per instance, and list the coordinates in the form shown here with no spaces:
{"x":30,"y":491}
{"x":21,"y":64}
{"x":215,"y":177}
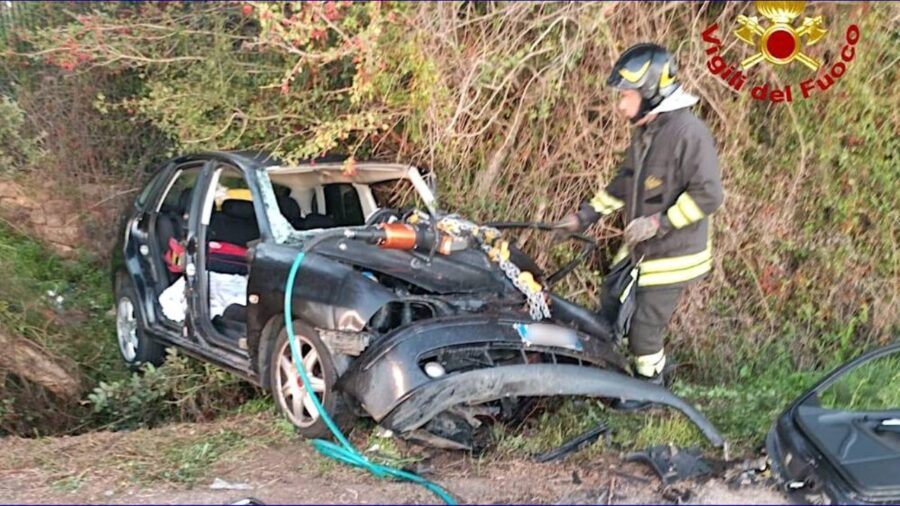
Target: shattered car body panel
{"x":427,"y":344}
{"x":826,"y":454}
{"x":343,"y":298}
{"x":535,"y":380}
{"x":458,"y":344}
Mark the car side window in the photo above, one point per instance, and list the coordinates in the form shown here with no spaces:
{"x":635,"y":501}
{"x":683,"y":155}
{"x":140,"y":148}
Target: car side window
{"x":148,"y":188}
{"x":178,"y":197}
{"x":342,"y":205}
{"x":873,"y":386}
{"x":231,"y":186}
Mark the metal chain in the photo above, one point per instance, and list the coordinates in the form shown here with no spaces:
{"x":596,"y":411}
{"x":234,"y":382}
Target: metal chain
{"x":537,"y":303}
{"x":538,"y":308}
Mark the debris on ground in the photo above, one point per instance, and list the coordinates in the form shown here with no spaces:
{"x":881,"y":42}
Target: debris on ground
{"x":677,"y":494}
{"x":749,"y":472}
{"x":220,"y":484}
{"x":573,"y":445}
{"x":673,"y":464}
{"x":586,"y":496}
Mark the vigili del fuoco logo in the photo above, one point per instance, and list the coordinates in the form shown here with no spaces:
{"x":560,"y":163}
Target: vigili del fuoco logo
{"x":779,"y":39}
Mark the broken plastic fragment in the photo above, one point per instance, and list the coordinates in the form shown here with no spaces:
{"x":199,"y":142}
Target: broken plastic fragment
{"x":573,"y":445}
{"x":673,"y":464}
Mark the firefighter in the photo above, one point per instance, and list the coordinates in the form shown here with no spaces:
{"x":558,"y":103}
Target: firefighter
{"x":668,"y":186}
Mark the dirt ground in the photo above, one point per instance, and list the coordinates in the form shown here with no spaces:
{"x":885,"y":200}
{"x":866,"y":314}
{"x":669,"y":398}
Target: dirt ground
{"x":131,"y":468}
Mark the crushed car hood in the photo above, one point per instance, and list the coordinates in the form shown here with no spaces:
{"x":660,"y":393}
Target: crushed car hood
{"x":467,"y":271}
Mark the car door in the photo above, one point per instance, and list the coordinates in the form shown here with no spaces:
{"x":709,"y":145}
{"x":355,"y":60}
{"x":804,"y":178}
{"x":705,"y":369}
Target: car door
{"x":842,"y":437}
{"x":137,"y":248}
{"x":223,"y":339}
{"x":167,"y":231}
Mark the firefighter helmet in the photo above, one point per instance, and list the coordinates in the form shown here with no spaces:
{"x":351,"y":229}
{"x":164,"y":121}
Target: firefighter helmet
{"x":648,"y":68}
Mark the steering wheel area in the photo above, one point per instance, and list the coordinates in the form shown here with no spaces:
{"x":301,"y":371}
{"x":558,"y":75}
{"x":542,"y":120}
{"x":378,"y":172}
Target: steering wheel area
{"x":382,"y":215}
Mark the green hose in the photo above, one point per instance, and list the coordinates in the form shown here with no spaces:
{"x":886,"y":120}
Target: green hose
{"x":345,"y":451}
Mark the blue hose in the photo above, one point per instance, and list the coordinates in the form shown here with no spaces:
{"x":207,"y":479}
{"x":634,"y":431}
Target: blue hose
{"x":345,"y":451}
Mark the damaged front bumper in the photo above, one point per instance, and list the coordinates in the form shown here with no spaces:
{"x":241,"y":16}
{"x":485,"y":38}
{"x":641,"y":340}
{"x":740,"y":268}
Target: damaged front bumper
{"x":390,"y":382}
{"x":534,"y":380}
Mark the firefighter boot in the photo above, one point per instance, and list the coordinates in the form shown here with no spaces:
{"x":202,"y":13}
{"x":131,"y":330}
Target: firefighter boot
{"x":648,"y":368}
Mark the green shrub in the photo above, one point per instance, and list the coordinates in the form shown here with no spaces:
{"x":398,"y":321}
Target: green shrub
{"x":181,"y":389}
{"x":506,"y":102}
{"x":20,"y":148}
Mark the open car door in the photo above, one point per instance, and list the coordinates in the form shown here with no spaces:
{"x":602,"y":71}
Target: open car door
{"x":840,"y":441}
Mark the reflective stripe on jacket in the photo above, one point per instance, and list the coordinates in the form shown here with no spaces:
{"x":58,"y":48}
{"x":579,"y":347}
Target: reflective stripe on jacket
{"x":671,"y":168}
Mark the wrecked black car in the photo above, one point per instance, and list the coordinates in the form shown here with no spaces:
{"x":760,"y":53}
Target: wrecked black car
{"x":840,"y":441}
{"x":423,"y":321}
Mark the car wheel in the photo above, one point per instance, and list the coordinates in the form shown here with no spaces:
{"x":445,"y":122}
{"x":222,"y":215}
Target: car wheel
{"x":291,"y":396}
{"x":135,"y":346}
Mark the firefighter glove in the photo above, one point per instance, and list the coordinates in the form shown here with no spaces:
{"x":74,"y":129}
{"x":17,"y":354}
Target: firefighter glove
{"x":570,"y":223}
{"x":641,"y":229}
{"x":575,"y":223}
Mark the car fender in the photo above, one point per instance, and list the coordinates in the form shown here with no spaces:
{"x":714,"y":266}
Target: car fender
{"x":328,"y":294}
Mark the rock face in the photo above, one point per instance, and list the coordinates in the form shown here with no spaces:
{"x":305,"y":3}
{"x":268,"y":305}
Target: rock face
{"x":27,"y":360}
{"x":36,"y":213}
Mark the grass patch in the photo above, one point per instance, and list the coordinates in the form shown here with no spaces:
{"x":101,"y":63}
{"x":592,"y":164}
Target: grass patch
{"x":60,"y":303}
{"x":558,"y":422}
{"x":572,"y":417}
{"x":633,"y":431}
{"x":386,"y":449}
{"x":65,"y":306}
{"x":181,"y":389}
{"x":67,"y":484}
{"x":188,"y":463}
{"x":256,"y":405}
{"x":873,"y":386}
{"x":177,"y":453}
{"x":284,"y":426}
{"x":742,"y":410}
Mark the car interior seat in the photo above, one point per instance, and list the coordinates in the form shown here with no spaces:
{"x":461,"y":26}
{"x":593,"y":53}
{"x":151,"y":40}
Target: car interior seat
{"x":290,"y":209}
{"x":313,"y":221}
{"x":235,"y":223}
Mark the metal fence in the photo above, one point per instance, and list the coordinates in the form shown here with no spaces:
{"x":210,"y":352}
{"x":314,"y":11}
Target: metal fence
{"x":25,"y":15}
{"x":20,"y":15}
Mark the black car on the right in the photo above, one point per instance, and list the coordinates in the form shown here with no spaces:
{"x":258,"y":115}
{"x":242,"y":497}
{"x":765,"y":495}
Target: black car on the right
{"x":840,"y":441}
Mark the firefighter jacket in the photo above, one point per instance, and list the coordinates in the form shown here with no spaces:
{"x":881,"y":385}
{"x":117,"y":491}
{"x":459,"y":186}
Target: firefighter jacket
{"x":671,"y":168}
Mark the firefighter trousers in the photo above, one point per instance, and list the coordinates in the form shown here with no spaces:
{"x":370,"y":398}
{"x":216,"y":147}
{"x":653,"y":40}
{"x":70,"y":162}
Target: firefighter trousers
{"x":654,"y":307}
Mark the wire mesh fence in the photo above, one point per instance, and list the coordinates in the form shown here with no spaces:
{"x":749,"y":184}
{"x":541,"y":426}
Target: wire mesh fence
{"x":22,"y":15}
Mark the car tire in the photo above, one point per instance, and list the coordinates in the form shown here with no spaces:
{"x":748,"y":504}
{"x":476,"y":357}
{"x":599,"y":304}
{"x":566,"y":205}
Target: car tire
{"x":135,"y":346}
{"x":289,"y":392}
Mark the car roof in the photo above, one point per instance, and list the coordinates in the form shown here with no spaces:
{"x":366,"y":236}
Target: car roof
{"x":325,"y":169}
{"x":251,"y":159}
{"x":325,"y":173}
{"x":265,"y":159}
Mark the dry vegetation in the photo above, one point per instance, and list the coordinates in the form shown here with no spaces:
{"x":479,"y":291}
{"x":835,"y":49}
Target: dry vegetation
{"x":506,"y":102}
